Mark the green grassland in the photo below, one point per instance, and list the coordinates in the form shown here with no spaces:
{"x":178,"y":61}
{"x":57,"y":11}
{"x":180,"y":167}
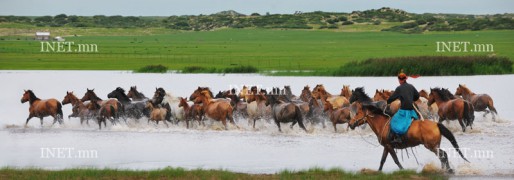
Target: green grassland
{"x":265,"y":49}
{"x":179,"y":173}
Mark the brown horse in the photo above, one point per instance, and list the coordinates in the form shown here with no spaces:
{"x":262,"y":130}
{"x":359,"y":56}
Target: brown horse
{"x":42,"y":108}
{"x":109,"y":109}
{"x":433,"y":109}
{"x":216,"y":110}
{"x":427,"y":133}
{"x":81,"y":110}
{"x":158,"y":113}
{"x":450,"y":109}
{"x":192,"y":112}
{"x":319,"y":92}
{"x":283,"y":112}
{"x":337,"y":116}
{"x":136,"y":95}
{"x":480,"y":101}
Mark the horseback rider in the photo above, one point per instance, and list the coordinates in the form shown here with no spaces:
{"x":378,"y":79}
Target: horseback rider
{"x":402,"y":119}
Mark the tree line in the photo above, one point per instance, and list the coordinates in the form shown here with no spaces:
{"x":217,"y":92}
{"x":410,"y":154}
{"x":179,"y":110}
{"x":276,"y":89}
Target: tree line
{"x":411,"y":23}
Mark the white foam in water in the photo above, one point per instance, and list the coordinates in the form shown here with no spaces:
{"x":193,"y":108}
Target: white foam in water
{"x":243,"y":149}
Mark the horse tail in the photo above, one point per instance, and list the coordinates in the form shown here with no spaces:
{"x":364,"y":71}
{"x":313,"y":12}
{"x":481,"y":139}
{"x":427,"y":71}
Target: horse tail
{"x":299,"y":117}
{"x":59,"y":109}
{"x":113,"y":111}
{"x":469,"y":113}
{"x":449,"y":135}
{"x":168,"y":112}
{"x":491,"y":107}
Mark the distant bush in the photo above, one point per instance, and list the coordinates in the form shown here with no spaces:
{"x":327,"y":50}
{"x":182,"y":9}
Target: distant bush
{"x":347,"y":23}
{"x":153,"y":69}
{"x":427,"y":66}
{"x":238,"y":69}
{"x":241,"y":69}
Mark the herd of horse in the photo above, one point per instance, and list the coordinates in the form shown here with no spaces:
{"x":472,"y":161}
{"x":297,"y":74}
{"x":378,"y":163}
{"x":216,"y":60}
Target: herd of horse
{"x":353,"y":107}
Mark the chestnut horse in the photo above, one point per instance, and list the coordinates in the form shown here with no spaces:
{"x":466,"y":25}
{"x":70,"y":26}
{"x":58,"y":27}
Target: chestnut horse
{"x":450,"y":109}
{"x":346,"y":92}
{"x":480,"y":101}
{"x":319,"y":92}
{"x":42,"y":108}
{"x":427,"y":133}
{"x":337,"y":116}
{"x":80,"y":109}
{"x":136,"y":95}
{"x":191,"y":112}
{"x":383,"y":95}
{"x":216,"y":110}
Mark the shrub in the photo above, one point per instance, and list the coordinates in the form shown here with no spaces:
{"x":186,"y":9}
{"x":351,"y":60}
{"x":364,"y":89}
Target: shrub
{"x":153,"y":69}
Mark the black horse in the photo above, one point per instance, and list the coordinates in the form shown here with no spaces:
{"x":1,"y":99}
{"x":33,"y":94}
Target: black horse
{"x":133,"y":109}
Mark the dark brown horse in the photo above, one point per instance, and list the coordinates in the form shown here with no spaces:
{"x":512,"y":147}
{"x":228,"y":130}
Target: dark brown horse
{"x":427,"y":133}
{"x":480,"y":101}
{"x":338,"y":115}
{"x":109,"y":109}
{"x":195,"y":111}
{"x":42,"y":108}
{"x":198,"y":92}
{"x":79,"y":109}
{"x":131,"y":109}
{"x":451,"y":109}
{"x":216,"y":110}
{"x":284,"y":112}
{"x":136,"y":95}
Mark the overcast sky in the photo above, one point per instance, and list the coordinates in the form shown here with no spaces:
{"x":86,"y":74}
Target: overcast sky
{"x":195,"y":7}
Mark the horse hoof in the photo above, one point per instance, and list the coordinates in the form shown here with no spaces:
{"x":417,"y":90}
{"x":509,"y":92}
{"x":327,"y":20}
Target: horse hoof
{"x":450,"y":171}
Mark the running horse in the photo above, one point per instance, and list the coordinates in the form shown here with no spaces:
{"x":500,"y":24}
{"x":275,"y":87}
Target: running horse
{"x":216,"y":110}
{"x":109,"y":109}
{"x":319,"y":92}
{"x":346,"y":92}
{"x":42,"y":108}
{"x":480,"y":101}
{"x":337,"y":116}
{"x":284,"y":112}
{"x":426,"y":133}
{"x":191,"y":112}
{"x":131,"y":109}
{"x":81,"y":110}
{"x":451,"y":108}
{"x":136,"y":95}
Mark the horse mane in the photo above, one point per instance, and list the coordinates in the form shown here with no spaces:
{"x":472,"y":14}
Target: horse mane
{"x":121,"y":92}
{"x":466,"y":89}
{"x":32,"y":96}
{"x":444,"y":94}
{"x":360,"y":95}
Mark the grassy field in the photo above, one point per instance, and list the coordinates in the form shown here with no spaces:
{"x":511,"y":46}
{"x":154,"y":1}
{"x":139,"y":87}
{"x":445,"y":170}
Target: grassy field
{"x":179,"y":173}
{"x":265,"y":49}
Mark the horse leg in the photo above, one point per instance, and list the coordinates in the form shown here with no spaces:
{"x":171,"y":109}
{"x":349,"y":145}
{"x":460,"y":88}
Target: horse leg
{"x":30,"y":116}
{"x":278,"y":124}
{"x":462,"y":125}
{"x":294,"y":122}
{"x":443,"y":157}
{"x":383,"y":160}
{"x":335,"y":129}
{"x":166,"y":123}
{"x":395,"y":158}
{"x":254,"y":119}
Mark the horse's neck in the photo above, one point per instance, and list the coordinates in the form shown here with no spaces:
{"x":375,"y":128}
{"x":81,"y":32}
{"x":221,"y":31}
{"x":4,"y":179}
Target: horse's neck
{"x":377,"y":123}
{"x":34,"y":101}
{"x":468,"y":95}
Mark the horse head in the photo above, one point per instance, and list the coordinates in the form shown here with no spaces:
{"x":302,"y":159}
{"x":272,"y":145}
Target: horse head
{"x":90,"y":95}
{"x":359,"y":95}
